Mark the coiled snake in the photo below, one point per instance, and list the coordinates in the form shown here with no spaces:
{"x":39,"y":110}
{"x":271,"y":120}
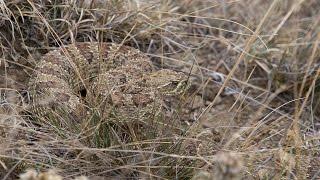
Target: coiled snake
{"x":71,"y":83}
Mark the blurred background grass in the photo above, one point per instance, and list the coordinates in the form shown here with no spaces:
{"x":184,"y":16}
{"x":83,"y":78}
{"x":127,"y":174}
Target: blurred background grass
{"x":267,"y":53}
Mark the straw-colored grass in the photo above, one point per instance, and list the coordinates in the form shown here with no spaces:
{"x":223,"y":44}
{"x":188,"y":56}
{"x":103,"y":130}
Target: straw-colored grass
{"x":252,"y":111}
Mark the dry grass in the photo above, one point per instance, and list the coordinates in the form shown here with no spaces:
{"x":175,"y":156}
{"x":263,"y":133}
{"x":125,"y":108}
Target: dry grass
{"x":262,"y":123}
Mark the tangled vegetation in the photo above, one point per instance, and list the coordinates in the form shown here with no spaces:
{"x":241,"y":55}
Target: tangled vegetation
{"x":252,"y":111}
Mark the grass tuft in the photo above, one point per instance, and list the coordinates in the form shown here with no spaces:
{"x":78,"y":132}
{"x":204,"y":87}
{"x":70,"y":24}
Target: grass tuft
{"x":252,"y":110}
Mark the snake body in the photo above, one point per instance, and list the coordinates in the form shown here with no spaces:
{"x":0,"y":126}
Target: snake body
{"x":71,"y":82}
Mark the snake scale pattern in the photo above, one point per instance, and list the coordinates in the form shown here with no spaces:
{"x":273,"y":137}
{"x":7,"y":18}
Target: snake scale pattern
{"x":72,"y":82}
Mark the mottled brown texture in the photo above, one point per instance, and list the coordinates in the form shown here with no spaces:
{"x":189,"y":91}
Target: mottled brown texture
{"x":76,"y":79}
